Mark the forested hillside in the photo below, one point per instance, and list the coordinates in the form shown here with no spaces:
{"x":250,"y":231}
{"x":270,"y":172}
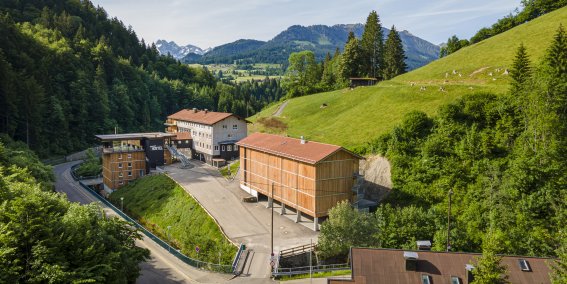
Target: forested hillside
{"x":47,"y":239}
{"x":68,"y":71}
{"x":502,"y":161}
{"x":320,"y":39}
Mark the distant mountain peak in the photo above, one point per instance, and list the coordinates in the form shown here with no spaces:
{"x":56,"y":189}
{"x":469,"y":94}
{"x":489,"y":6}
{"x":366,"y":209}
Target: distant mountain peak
{"x":170,"y":47}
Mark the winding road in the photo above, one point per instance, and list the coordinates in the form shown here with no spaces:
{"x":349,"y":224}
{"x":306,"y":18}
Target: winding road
{"x":162,"y":267}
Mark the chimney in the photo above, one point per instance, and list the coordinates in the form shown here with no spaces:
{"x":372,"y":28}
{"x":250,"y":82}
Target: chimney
{"x":194,"y":109}
{"x":423,"y":245}
{"x":206,"y":110}
{"x":303,"y":140}
{"x":411,"y":260}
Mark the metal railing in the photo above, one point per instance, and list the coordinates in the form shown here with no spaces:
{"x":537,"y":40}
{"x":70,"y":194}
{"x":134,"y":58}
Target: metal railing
{"x":281,"y":271}
{"x":190,"y":261}
{"x":178,"y":155}
{"x":297,"y":250}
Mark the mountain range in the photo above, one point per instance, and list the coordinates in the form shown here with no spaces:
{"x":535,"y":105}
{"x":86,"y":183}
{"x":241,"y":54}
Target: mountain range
{"x":170,"y":47}
{"x":318,"y":38}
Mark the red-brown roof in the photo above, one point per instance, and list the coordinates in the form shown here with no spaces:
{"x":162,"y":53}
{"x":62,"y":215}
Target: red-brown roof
{"x":183,"y":136}
{"x":388,"y":266}
{"x":310,"y":152}
{"x":200,"y":116}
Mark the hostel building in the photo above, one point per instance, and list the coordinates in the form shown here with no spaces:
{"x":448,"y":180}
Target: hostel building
{"x":126,"y":157}
{"x":214,"y":134}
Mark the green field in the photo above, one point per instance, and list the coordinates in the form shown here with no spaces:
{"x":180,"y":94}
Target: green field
{"x":158,"y":202}
{"x":353,"y":117}
{"x":240,"y":75}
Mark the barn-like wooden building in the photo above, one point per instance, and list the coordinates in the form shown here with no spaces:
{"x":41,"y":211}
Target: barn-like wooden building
{"x":307,"y":176}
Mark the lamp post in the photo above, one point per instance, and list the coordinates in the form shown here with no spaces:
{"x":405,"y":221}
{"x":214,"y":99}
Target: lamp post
{"x":449,"y":221}
{"x":122,"y":204}
{"x":168,"y":239}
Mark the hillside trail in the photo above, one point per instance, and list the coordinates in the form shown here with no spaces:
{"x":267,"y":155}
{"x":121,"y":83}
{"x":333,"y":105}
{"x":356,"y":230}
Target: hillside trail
{"x":280,"y":109}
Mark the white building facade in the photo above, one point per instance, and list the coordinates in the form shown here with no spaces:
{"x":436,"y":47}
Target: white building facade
{"x":213,"y":134}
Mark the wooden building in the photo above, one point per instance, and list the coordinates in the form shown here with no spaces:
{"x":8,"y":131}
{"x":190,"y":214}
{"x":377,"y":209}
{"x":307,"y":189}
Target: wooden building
{"x":307,"y":176}
{"x":126,"y":157}
{"x":357,"y":82}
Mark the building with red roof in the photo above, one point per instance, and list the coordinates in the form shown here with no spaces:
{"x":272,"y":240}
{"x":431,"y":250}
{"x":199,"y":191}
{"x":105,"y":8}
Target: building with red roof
{"x":307,"y":176}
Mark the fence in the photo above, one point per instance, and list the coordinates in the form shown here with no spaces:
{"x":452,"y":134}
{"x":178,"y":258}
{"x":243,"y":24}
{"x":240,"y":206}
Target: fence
{"x":280,"y":271}
{"x":193,"y":262}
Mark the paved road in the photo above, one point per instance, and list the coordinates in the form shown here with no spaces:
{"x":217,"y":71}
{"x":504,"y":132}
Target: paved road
{"x":162,"y":267}
{"x":247,"y":223}
{"x":280,"y":109}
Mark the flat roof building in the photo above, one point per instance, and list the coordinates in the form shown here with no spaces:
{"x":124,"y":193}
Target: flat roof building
{"x":126,"y":157}
{"x":307,"y":176}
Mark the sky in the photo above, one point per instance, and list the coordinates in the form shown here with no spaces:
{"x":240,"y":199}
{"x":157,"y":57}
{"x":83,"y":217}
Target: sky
{"x":209,"y":23}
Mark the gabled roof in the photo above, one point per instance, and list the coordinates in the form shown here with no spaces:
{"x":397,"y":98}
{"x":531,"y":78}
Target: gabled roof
{"x":371,"y":265}
{"x":310,"y":152}
{"x":201,"y":116}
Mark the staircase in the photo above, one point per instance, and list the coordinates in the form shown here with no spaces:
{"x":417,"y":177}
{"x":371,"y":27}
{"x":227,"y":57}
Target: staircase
{"x":184,"y":161}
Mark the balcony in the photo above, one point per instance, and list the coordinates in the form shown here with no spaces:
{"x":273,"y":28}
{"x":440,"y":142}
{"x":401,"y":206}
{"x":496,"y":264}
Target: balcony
{"x":122,"y":149}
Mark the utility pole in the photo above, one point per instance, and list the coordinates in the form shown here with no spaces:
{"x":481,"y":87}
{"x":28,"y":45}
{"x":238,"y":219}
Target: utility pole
{"x":272,"y":256}
{"x":449,"y":221}
{"x":122,"y":204}
{"x":311,"y":263}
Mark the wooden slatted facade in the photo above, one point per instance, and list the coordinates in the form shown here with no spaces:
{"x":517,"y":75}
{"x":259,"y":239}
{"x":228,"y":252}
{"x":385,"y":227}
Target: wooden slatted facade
{"x":126,"y":157}
{"x":312,"y":187}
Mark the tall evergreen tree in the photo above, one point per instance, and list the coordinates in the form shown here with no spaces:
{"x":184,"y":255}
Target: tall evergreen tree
{"x":372,"y":46}
{"x":394,"y":56}
{"x":521,"y":69}
{"x":350,"y":60}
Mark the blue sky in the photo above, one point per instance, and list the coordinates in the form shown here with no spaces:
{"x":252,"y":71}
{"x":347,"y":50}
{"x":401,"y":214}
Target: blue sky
{"x":211,"y":23}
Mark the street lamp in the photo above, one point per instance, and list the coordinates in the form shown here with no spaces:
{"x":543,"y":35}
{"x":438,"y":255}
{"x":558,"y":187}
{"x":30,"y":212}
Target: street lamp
{"x":168,"y":239}
{"x":122,"y":204}
{"x":449,"y":221}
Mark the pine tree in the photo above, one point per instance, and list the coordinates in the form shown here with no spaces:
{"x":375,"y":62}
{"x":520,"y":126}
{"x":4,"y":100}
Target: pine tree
{"x":521,"y":69}
{"x":489,"y":269}
{"x":394,"y":56}
{"x":372,"y":46}
{"x":350,"y":60}
{"x":350,"y":37}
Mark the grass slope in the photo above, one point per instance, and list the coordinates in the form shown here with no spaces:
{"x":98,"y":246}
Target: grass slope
{"x":353,"y":117}
{"x":157,"y":202}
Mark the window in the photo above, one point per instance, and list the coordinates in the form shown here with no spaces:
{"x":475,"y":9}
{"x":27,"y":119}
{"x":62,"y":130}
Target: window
{"x":120,"y":156}
{"x":425,"y":279}
{"x":129,"y":174}
{"x":179,"y":142}
{"x":141,"y":173}
{"x":120,"y":182}
{"x":224,"y":126}
{"x":216,"y":147}
{"x":120,"y":175}
{"x":524,"y":265}
{"x":229,"y":135}
{"x":235,"y":127}
{"x":119,"y":165}
{"x":456,"y":280}
{"x":222,"y":148}
{"x":229,"y":148}
{"x":129,"y":165}
{"x":235,"y":147}
{"x":186,"y":141}
{"x":129,"y":156}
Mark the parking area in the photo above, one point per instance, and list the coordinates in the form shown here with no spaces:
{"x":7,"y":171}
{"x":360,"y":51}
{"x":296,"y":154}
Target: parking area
{"x":247,"y":223}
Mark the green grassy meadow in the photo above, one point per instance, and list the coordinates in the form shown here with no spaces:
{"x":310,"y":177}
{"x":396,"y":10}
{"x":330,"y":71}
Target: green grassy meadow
{"x":158,"y":202}
{"x":353,"y":117}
